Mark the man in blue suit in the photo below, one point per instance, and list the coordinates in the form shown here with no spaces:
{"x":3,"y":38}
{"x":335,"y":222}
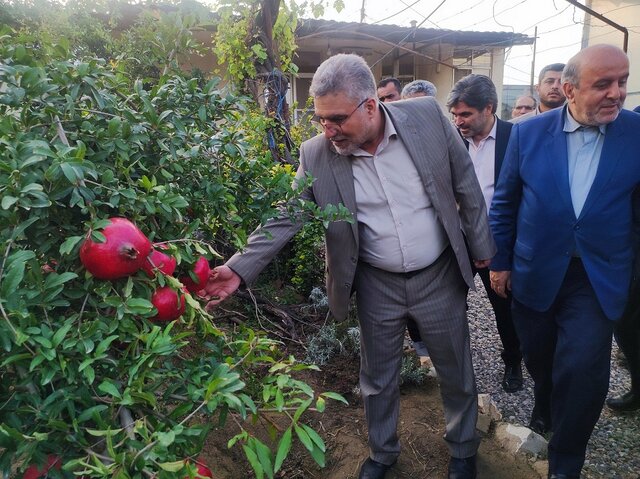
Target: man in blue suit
{"x":562,"y":219}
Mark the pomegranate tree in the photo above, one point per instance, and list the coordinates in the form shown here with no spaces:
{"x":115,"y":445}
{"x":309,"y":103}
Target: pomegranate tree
{"x":123,"y":252}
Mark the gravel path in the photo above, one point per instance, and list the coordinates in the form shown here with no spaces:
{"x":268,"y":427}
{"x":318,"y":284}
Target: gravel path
{"x":614,"y":448}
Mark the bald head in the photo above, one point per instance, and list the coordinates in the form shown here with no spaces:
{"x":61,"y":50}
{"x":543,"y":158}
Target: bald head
{"x":595,"y":84}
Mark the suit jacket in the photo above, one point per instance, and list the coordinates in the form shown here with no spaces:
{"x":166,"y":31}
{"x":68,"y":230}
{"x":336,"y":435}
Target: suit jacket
{"x":446,"y":172}
{"x":534,"y":224}
{"x":503,"y":131}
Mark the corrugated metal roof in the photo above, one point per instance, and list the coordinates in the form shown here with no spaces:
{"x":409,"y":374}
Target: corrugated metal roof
{"x":396,"y":33}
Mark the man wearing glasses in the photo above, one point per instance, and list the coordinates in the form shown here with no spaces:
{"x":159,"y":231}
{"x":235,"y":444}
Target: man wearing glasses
{"x":404,"y":173}
{"x":523,"y":105}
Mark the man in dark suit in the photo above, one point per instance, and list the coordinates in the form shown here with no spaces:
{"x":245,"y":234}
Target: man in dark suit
{"x":403,"y":172}
{"x":562,"y":219}
{"x":472,"y":102}
{"x":627,"y":331}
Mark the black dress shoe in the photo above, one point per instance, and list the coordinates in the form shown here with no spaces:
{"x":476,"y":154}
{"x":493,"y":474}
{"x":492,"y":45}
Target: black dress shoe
{"x":371,"y":469}
{"x":462,"y":468}
{"x":562,"y":476}
{"x":627,"y":402}
{"x":512,"y":379}
{"x":540,"y":425}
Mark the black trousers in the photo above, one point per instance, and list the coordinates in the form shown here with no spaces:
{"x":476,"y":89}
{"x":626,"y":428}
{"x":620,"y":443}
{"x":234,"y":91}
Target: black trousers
{"x":627,"y":333}
{"x":504,"y":322}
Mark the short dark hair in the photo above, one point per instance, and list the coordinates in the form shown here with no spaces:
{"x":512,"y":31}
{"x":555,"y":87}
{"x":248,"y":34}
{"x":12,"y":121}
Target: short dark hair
{"x":477,"y":91}
{"x":385,"y":81}
{"x":554,"y":67}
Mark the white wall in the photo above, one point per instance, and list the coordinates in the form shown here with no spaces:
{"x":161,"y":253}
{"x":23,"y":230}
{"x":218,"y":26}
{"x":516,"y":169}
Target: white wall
{"x":627,"y":14}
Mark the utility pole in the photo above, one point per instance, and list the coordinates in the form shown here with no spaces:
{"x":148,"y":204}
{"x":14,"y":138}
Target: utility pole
{"x":362,"y":12}
{"x":533,"y":62}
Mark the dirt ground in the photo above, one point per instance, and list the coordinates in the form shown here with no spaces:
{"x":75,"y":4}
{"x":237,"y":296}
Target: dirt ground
{"x":343,"y":429}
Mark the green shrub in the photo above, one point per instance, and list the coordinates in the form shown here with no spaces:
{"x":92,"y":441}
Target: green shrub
{"x":85,"y":372}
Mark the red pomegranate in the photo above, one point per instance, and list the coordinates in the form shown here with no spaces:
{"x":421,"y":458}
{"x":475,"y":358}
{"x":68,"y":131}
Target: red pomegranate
{"x":165,"y":301}
{"x":35,"y":472}
{"x":157,"y":259}
{"x":123,"y":253}
{"x":202,"y":470}
{"x":201,"y":270}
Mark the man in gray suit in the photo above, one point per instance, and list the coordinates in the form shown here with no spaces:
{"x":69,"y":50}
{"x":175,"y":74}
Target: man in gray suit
{"x":405,"y":175}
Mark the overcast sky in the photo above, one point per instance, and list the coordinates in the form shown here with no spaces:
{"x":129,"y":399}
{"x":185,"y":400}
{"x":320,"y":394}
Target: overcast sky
{"x":559,"y":24}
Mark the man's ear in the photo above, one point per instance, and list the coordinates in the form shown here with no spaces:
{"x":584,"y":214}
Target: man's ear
{"x":569,"y":90}
{"x":371,"y":105}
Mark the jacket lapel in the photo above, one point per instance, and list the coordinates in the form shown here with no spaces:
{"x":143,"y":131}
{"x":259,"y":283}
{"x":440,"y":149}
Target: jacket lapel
{"x":556,"y":154}
{"x":612,"y":151}
{"x":343,"y":175}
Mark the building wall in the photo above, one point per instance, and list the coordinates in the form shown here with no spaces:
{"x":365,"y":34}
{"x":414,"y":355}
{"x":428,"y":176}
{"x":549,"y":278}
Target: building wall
{"x":627,"y":14}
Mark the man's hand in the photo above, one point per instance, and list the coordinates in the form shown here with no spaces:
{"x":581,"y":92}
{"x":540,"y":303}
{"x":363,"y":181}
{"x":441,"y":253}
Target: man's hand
{"x":481,"y":263}
{"x":222,"y":283}
{"x":500,"y":282}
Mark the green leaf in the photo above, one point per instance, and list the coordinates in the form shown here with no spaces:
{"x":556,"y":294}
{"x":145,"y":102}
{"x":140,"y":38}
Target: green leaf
{"x":12,"y":279}
{"x":90,"y":412}
{"x":103,"y":432}
{"x":254,"y":461}
{"x":110,"y":388}
{"x":61,"y":333}
{"x":138,"y":305}
{"x":304,"y":437}
{"x":301,"y":409}
{"x":104,"y":344}
{"x":54,"y":279}
{"x":166,"y":438}
{"x":284,"y":446}
{"x":315,"y":437}
{"x":8,"y":201}
{"x":264,"y":456}
{"x":36,"y":362}
{"x":67,"y":246}
{"x":171,"y":466}
{"x":335,"y":396}
{"x":318,"y":456}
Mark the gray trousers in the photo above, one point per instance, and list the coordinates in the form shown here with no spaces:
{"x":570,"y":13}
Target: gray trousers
{"x":435,"y":298}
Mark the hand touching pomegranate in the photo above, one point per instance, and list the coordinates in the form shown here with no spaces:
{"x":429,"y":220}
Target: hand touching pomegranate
{"x":223,"y":282}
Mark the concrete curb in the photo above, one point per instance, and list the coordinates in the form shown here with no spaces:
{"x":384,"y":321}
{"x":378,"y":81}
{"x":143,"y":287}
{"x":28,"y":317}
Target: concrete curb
{"x":514,"y":439}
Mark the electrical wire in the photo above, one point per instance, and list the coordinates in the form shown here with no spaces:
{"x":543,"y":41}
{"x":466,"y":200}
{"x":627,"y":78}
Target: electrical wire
{"x":397,"y":13}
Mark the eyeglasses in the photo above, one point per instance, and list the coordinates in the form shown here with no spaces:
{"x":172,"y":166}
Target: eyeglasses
{"x":523,"y":107}
{"x":337,"y":120}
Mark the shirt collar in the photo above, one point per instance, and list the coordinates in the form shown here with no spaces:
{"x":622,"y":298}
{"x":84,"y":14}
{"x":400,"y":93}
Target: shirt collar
{"x":571,"y":124}
{"x":389,"y":133}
